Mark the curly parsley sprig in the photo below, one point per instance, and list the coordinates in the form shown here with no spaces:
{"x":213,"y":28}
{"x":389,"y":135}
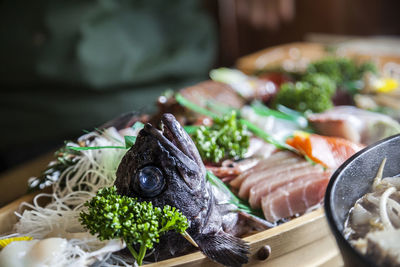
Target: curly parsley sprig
{"x":111,"y":216}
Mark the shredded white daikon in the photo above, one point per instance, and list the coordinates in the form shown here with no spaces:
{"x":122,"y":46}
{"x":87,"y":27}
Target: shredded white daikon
{"x":94,"y":169}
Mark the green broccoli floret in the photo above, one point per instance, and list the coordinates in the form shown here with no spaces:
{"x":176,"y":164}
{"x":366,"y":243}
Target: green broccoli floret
{"x":111,"y":216}
{"x":341,"y":70}
{"x":226,"y":138}
{"x":322,"y":81}
{"x":313,"y":92}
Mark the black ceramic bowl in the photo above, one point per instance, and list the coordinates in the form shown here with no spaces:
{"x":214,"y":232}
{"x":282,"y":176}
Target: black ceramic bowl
{"x":351,"y":181}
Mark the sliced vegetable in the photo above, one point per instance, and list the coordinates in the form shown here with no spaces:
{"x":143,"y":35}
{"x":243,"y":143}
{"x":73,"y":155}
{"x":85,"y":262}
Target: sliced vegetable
{"x":226,"y":138}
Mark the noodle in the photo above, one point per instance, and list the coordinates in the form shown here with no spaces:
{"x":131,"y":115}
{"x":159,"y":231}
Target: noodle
{"x":383,"y":208}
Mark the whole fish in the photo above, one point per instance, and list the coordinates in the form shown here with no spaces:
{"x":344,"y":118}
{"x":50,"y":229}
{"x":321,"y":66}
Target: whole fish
{"x":164,"y":167}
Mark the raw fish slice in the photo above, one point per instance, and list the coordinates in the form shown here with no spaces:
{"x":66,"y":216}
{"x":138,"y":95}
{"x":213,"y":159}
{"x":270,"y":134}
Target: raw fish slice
{"x":331,"y":152}
{"x":267,"y":186}
{"x":354,"y":124}
{"x":259,"y":149}
{"x":262,"y":165}
{"x":206,"y":91}
{"x":232,"y":168}
{"x":295,"y":198}
{"x":275,"y":170}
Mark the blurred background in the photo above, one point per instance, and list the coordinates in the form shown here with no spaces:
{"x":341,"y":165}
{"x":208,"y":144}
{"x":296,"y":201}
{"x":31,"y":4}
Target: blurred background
{"x":69,"y":66}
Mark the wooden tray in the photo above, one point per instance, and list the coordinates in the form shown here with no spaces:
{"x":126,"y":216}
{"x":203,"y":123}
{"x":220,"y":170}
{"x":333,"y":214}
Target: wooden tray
{"x":304,"y":241}
{"x":276,"y":56}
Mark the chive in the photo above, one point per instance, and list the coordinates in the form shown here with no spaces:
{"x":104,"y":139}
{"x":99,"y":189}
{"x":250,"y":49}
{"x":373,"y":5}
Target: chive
{"x":268,"y":138}
{"x":253,"y":128}
{"x":129,"y":141}
{"x":221,"y":109}
{"x":191,"y":129}
{"x":262,"y":110}
{"x":196,"y":108}
{"x":81,"y":148}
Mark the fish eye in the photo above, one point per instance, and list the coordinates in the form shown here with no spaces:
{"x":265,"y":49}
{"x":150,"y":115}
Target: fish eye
{"x":149,"y":181}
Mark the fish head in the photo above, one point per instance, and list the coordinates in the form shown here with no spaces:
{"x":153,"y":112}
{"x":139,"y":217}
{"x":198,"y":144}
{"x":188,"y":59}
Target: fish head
{"x":164,"y":167}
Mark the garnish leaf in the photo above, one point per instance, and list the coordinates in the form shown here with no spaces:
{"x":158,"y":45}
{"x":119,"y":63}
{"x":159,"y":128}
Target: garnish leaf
{"x":196,"y":108}
{"x":129,"y":141}
{"x":233,"y":199}
{"x":191,"y":129}
{"x":253,"y":128}
{"x":138,"y":126}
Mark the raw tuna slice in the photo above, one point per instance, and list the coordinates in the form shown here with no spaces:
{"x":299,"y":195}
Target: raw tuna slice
{"x":262,"y":165}
{"x":283,"y":166}
{"x":290,"y":175}
{"x":295,"y":198}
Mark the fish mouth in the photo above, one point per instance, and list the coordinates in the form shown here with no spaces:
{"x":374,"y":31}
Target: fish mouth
{"x":175,"y":139}
{"x":175,"y":133}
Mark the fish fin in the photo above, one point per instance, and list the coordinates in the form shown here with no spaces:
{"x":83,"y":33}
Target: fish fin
{"x":224,"y":248}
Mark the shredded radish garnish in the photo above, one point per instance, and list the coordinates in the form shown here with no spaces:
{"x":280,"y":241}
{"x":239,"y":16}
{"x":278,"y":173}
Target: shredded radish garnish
{"x":78,"y":183}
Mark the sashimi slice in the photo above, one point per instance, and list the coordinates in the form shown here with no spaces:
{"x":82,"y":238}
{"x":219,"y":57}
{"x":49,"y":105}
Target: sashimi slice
{"x":291,"y":175}
{"x":354,"y":124}
{"x":331,"y":152}
{"x":261,"y":165}
{"x":295,"y":198}
{"x":272,"y":171}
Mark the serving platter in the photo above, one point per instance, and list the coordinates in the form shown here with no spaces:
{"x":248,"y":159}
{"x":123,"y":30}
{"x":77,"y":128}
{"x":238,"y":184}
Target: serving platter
{"x":303,"y":241}
{"x":299,"y":53}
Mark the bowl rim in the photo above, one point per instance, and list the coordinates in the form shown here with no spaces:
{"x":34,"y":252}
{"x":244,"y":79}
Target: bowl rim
{"x":328,"y":197}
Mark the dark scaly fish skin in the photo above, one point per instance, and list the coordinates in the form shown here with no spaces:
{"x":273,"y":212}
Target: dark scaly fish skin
{"x":174,"y":153}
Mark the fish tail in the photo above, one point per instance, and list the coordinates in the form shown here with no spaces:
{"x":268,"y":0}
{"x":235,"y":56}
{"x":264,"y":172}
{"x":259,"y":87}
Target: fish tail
{"x":224,"y":248}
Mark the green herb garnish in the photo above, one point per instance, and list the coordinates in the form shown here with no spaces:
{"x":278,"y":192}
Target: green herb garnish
{"x":129,"y":141}
{"x":226,"y":138}
{"x":313,"y":93}
{"x":252,"y":127}
{"x":233,"y":199}
{"x":341,"y":70}
{"x":112,"y":216}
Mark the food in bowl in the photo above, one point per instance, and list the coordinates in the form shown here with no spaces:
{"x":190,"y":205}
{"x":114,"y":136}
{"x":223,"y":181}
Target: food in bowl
{"x":373,"y":223}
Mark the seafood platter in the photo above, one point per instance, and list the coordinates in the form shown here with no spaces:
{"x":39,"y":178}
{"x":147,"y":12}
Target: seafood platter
{"x":231,"y":171}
